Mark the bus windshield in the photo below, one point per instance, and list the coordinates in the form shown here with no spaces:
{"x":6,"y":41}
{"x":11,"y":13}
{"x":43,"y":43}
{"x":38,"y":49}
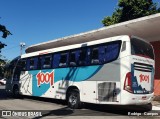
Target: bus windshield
{"x":8,"y":71}
{"x":141,"y":48}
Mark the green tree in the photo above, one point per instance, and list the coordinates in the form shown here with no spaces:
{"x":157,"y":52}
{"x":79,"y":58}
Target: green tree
{"x":2,"y":64}
{"x":5,"y":34}
{"x":2,"y":45}
{"x":131,"y":9}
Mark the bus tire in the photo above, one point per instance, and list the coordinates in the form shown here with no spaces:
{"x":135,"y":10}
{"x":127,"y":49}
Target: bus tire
{"x":16,"y":92}
{"x":74,"y":99}
{"x":148,"y":107}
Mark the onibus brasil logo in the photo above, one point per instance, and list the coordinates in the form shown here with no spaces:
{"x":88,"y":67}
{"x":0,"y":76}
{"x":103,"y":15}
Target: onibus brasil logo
{"x":45,"y":78}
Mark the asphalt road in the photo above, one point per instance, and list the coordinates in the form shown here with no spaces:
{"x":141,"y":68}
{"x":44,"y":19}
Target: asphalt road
{"x":49,"y":108}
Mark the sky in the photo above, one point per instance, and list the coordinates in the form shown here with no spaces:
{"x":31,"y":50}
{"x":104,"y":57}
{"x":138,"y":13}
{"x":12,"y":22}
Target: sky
{"x":36,"y":21}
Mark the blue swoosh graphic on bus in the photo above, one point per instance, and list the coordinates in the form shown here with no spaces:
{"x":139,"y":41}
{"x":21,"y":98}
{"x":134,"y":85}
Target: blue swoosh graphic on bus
{"x":75,"y":74}
{"x":38,"y":91}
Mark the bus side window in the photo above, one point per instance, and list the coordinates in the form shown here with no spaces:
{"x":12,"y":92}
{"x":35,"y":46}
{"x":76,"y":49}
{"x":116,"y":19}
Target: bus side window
{"x":47,"y":61}
{"x":112,"y":52}
{"x":56,"y":60}
{"x":84,"y":56}
{"x":23,"y":64}
{"x":39,"y":63}
{"x":63,"y":60}
{"x":8,"y":71}
{"x":18,"y":68}
{"x":101,"y":54}
{"x":123,"y":46}
{"x":95,"y":55}
{"x":72,"y":59}
{"x":31,"y":63}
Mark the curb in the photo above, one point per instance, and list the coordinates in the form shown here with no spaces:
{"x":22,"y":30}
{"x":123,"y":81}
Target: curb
{"x":156,"y":107}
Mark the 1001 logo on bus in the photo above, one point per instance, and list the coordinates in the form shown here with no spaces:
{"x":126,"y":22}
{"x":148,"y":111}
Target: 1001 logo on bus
{"x":45,"y":78}
{"x":144,"y":78}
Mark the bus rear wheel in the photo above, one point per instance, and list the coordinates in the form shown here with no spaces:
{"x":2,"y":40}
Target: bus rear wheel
{"x":74,"y":99}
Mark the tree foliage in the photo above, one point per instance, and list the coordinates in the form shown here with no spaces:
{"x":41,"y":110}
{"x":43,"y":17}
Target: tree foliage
{"x":5,"y":31}
{"x":2,"y":45}
{"x":5,"y":34}
{"x":2,"y":64}
{"x":131,"y":9}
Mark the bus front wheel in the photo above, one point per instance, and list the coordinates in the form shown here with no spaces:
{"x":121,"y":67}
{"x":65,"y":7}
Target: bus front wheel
{"x":15,"y":92}
{"x":74,"y":99}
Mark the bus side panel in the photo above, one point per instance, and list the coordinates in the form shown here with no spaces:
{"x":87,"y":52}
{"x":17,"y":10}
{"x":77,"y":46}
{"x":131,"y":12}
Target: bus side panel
{"x":125,"y":68}
{"x":42,"y":83}
{"x":25,"y":83}
{"x":53,"y":83}
{"x":104,"y":86}
{"x":89,"y":91}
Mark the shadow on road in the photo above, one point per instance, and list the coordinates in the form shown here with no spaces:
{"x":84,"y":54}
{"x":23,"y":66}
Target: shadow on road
{"x":87,"y":110}
{"x":119,"y":109}
{"x":93,"y":110}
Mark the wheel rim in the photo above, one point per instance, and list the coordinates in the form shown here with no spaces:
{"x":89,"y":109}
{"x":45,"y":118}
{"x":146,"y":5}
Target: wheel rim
{"x":73,"y":99}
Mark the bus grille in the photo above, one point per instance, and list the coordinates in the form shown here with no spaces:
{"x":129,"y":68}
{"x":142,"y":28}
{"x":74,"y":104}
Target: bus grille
{"x":143,"y":67}
{"x":107,"y":92}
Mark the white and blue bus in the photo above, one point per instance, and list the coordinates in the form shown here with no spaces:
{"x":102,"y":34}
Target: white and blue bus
{"x":116,"y":70}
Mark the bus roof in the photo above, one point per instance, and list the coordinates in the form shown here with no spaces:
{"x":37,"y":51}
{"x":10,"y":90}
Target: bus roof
{"x":74,"y":46}
{"x":145,"y":27}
